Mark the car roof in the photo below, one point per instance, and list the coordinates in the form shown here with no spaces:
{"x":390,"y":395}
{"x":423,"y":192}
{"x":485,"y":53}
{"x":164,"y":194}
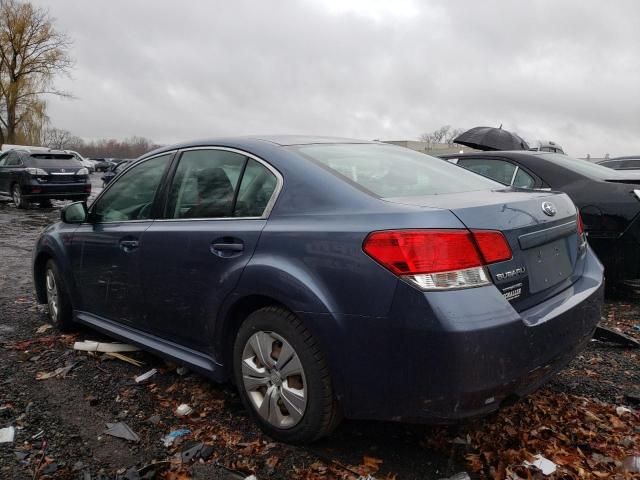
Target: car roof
{"x":499,"y":153}
{"x":248,"y":140}
{"x":628,"y":157}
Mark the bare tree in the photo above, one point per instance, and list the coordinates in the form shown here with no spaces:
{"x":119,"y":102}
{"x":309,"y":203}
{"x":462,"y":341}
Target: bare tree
{"x":437,"y":136}
{"x":452,"y":134}
{"x":32,"y":53}
{"x":56,"y":138}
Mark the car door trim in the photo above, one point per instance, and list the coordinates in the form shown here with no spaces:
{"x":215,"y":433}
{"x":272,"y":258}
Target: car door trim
{"x":270,"y":204}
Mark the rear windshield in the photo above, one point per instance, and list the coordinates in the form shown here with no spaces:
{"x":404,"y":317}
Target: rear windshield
{"x":390,"y":171}
{"x":583,"y":167}
{"x":52,"y":156}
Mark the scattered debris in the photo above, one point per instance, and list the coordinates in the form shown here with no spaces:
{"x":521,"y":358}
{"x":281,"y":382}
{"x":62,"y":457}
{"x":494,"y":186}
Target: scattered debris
{"x":183,"y":410}
{"x":146,"y":376}
{"x":620,"y":411}
{"x":7,"y":434}
{"x":57,"y":373}
{"x":44,"y":328}
{"x":182,"y":371}
{"x":547,"y":467}
{"x":168,"y":439}
{"x":124,"y":358}
{"x":91,"y":346}
{"x":49,"y":468}
{"x":606,"y":334}
{"x":191,"y":453}
{"x":121,"y":430}
{"x":458,"y":476}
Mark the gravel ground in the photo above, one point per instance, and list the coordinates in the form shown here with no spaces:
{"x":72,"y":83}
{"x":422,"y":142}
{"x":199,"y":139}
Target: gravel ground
{"x":60,"y":421}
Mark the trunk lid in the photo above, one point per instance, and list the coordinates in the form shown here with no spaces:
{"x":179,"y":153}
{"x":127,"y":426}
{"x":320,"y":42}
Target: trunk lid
{"x":544,"y":245}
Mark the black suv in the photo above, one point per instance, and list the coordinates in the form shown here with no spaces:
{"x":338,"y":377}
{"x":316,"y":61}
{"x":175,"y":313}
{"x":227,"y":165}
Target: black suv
{"x":40,"y":175}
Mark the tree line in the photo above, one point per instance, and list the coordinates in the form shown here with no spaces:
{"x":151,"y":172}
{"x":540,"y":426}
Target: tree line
{"x":131,"y":147}
{"x":444,"y":134}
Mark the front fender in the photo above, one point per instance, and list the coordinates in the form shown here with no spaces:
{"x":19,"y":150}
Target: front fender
{"x":54,"y":243}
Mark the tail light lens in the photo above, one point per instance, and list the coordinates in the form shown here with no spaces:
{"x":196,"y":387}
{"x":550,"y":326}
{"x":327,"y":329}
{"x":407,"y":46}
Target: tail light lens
{"x":582,"y":237}
{"x":438,"y":259}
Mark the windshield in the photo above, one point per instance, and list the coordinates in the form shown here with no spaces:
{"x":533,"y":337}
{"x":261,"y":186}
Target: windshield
{"x":390,"y":171}
{"x":583,"y":167}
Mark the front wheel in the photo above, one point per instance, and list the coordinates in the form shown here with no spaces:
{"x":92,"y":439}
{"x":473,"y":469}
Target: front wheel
{"x":283,"y":378}
{"x":18,"y":199}
{"x":58,"y":302}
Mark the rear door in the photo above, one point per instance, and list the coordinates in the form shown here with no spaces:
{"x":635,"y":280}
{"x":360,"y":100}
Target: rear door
{"x":106,"y":251}
{"x":216,"y":208}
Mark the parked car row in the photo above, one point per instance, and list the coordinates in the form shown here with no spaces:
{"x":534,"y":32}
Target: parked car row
{"x":334,"y":278}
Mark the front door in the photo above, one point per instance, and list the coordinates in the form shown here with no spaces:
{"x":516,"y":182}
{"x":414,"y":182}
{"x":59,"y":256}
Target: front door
{"x":193,"y":258}
{"x":107,"y":250}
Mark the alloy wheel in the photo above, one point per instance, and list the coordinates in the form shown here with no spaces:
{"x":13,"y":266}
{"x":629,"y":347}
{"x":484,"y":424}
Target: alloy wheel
{"x":17,"y":195}
{"x":274,"y":379}
{"x":52,"y":296}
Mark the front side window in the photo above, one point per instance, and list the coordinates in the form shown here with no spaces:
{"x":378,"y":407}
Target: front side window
{"x":498,"y":170}
{"x":13,"y":160}
{"x":3,"y":159}
{"x":389,"y":171}
{"x":130,"y":197}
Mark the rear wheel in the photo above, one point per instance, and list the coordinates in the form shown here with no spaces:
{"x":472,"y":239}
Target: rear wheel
{"x":283,"y":378}
{"x":18,"y":199}
{"x":58,"y":302}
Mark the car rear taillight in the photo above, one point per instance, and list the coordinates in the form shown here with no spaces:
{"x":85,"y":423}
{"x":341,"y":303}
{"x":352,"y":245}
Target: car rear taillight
{"x":582,"y":237}
{"x":438,"y":259}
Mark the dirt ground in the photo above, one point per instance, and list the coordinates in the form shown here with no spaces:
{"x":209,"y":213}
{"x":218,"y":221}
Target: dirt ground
{"x":585,"y":420}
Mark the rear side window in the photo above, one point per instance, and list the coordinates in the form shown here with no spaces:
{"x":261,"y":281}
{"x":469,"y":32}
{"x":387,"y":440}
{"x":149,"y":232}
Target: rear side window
{"x":388,"y":171}
{"x":53,"y":156}
{"x":498,"y":170}
{"x":256,"y":189}
{"x":218,"y":184}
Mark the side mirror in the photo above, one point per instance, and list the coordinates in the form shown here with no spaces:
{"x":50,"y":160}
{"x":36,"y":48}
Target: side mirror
{"x":74,"y":213}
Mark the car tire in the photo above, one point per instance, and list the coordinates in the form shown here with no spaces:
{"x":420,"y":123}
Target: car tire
{"x":18,"y":198}
{"x":292,"y":402}
{"x":59,"y":307}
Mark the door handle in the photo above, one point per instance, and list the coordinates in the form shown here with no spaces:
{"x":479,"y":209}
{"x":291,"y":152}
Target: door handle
{"x":228,"y":247}
{"x":129,"y":245}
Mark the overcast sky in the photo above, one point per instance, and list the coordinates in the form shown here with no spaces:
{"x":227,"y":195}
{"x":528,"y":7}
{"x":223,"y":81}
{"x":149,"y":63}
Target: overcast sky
{"x":566,"y":71}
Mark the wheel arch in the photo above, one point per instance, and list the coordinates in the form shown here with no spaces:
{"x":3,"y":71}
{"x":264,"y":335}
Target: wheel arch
{"x":39,"y":267}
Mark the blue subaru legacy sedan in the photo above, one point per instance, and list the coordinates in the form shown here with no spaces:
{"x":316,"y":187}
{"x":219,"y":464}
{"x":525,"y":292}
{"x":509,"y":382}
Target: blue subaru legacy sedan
{"x":329,"y":278}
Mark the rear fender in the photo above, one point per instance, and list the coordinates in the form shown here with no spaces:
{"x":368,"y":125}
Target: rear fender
{"x":296,"y":289}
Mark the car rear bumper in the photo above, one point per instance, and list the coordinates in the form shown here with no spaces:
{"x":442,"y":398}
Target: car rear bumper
{"x":36,"y":190}
{"x":445,"y":356}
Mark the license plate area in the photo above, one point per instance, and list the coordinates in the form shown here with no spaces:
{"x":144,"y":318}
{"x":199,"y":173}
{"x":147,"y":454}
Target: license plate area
{"x":548,"y":265}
